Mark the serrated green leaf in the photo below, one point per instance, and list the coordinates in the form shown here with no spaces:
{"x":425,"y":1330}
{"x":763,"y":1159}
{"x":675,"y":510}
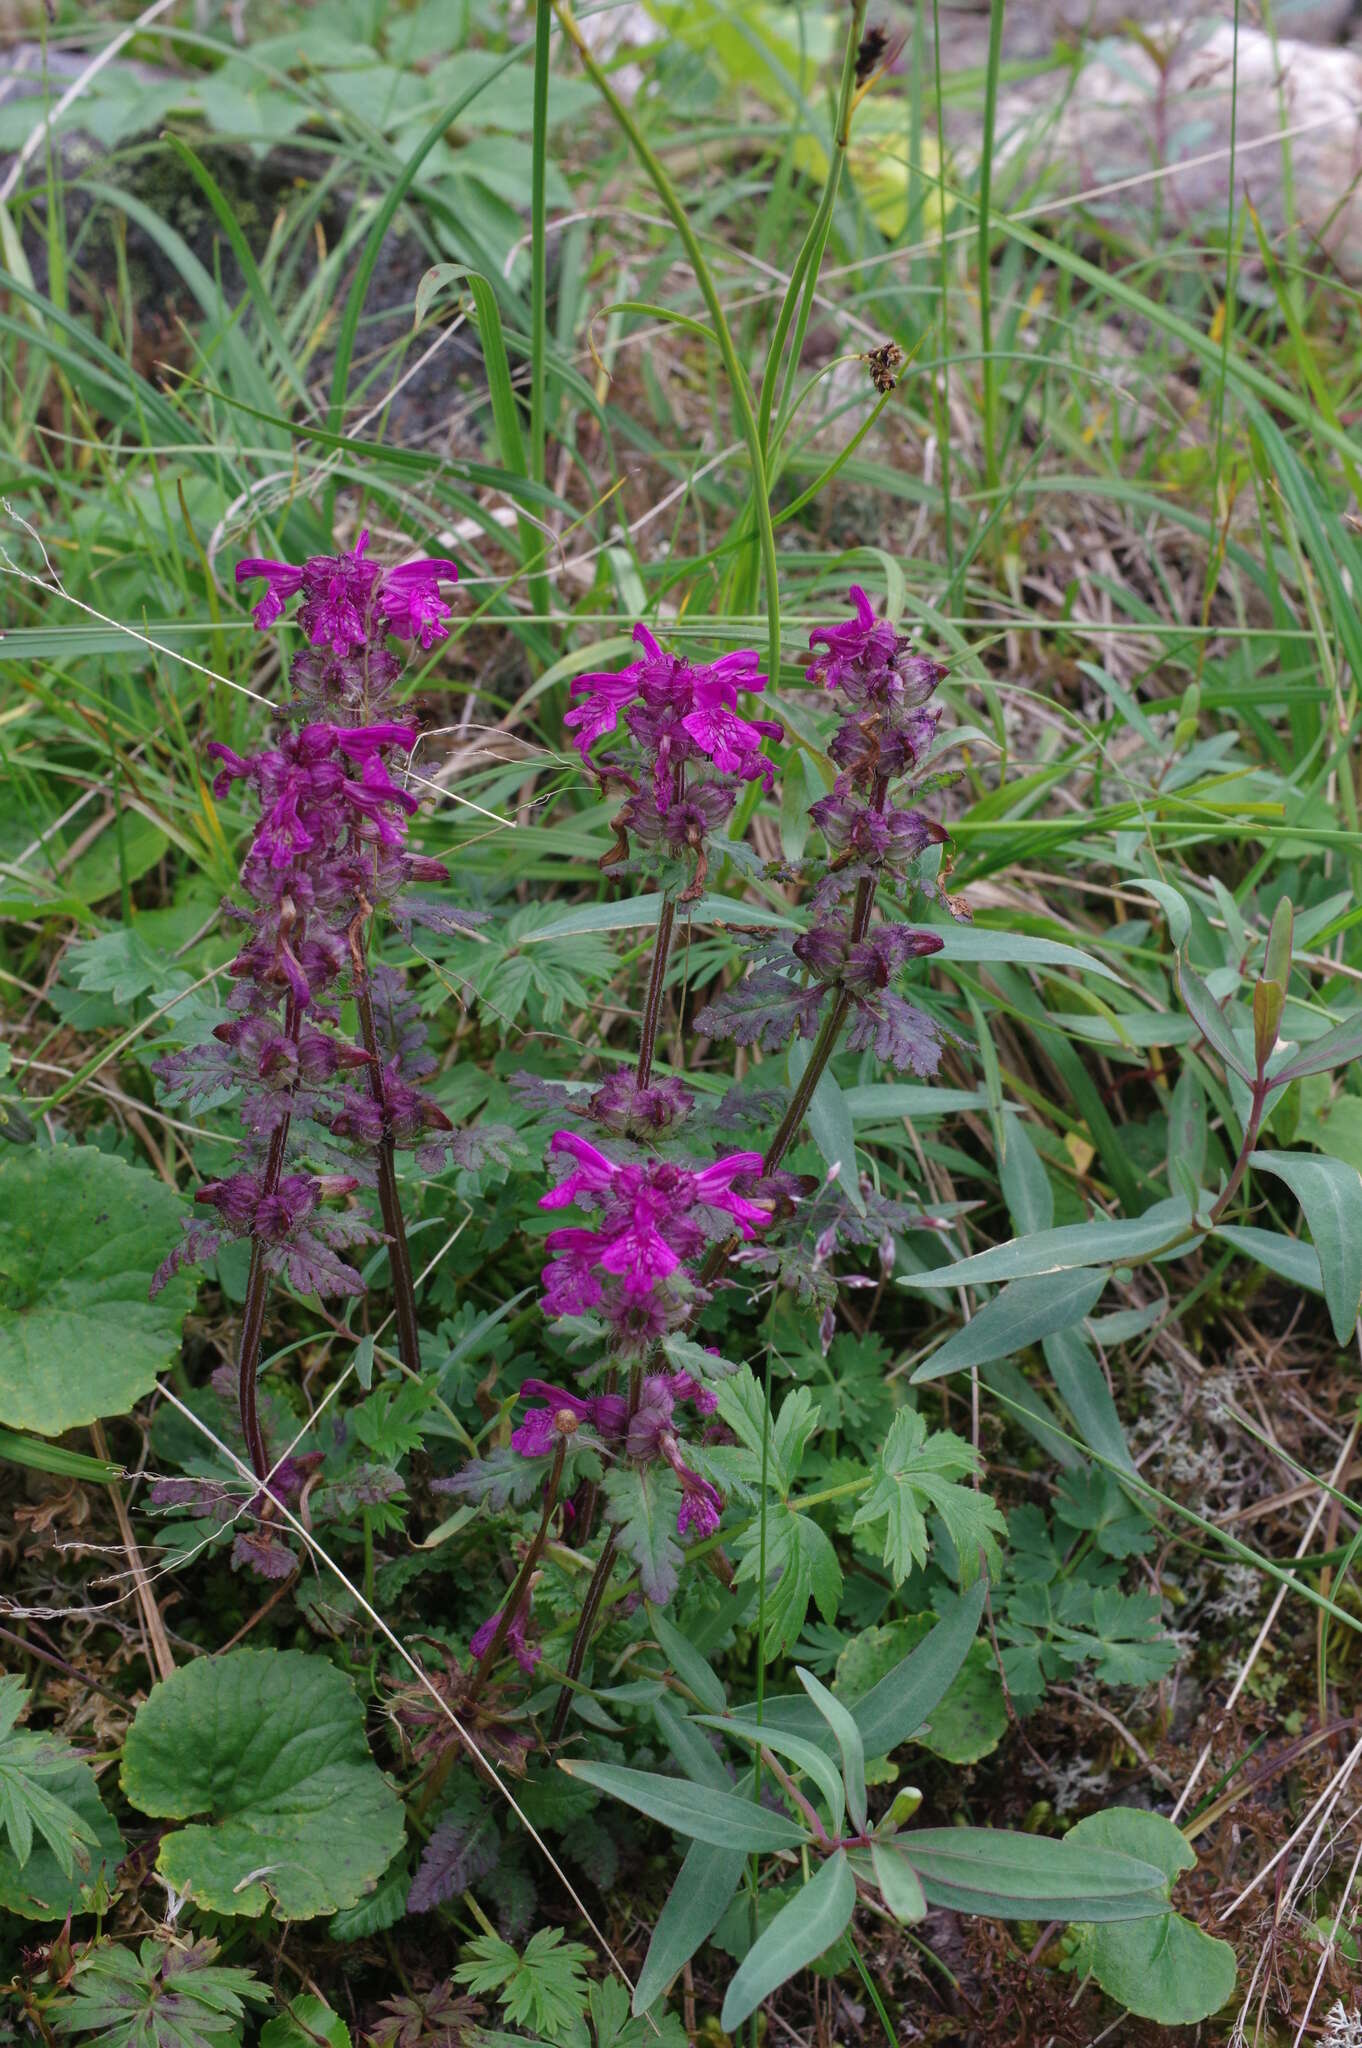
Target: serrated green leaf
{"x":307,"y":2022}
{"x":642,"y":1506}
{"x":81,"y":1234}
{"x":915,"y":1473}
{"x":269,"y":1744}
{"x":800,"y":1565}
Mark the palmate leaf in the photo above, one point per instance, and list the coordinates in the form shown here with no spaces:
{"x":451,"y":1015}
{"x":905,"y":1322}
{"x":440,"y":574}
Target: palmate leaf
{"x":916,"y":1474}
{"x":800,"y":1564}
{"x":642,"y":1507}
{"x":543,"y":1988}
{"x":164,"y":1996}
{"x":28,"y":1801}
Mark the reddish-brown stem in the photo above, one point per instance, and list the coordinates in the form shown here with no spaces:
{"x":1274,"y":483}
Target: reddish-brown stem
{"x":1251,"y":1129}
{"x":595,"y":1593}
{"x":389,"y":1201}
{"x":519,"y":1592}
{"x":652,"y":1007}
{"x":257,"y":1292}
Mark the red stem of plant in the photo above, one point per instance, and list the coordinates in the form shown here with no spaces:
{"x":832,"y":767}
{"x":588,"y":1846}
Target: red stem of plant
{"x":515,"y":1599}
{"x":652,"y":1007}
{"x":389,"y":1201}
{"x":257,"y":1292}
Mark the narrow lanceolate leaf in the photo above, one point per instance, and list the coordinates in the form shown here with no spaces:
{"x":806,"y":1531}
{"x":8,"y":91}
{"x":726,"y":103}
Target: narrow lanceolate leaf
{"x":900,"y":1885}
{"x":1337,"y":1048}
{"x":1330,"y":1193}
{"x":1289,"y":1257}
{"x":798,"y":1935}
{"x":695,"y":1905}
{"x":805,"y":1756}
{"x":899,"y":1703}
{"x":1024,"y":1312}
{"x":686,"y":1661}
{"x":848,"y":1739}
{"x":1030,"y":1877}
{"x":1102,"y":1242}
{"x":1210,"y":1020}
{"x":719,"y":1818}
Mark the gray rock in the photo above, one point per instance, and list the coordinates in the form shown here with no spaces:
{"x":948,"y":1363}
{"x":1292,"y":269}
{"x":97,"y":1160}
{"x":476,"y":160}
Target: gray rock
{"x":1157,"y":109}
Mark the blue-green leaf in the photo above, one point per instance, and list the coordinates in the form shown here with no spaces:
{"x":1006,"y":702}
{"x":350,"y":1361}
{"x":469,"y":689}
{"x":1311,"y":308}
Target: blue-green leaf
{"x":800,"y":1932}
{"x":1330,"y":1193}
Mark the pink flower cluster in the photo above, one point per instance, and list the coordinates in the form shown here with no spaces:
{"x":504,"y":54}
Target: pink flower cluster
{"x":651,"y":1433}
{"x":654,"y":1215}
{"x":678,"y":717}
{"x":349,"y":601}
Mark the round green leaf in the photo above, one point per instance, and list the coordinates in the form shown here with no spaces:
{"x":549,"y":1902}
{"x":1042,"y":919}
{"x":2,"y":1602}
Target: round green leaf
{"x":270,"y":1745}
{"x":81,"y":1234}
{"x":1163,"y":1969}
{"x":40,"y":1889}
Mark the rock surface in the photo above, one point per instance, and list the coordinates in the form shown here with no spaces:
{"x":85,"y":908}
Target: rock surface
{"x":1158,"y":109}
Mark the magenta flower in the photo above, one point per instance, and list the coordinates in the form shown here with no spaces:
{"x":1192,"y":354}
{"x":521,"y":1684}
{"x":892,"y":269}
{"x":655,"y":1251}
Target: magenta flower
{"x":349,"y":601}
{"x":410,"y":600}
{"x":526,"y":1654}
{"x":676,"y":712}
{"x":606,"y":1414}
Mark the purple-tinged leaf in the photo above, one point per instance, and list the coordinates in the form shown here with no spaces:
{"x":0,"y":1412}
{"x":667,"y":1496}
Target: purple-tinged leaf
{"x":766,"y":1009}
{"x":897,"y":1032}
{"x":1337,"y":1048}
{"x":642,"y":1507}
{"x":462,"y":1850}
{"x":1210,"y":1020}
{"x":501,"y":1480}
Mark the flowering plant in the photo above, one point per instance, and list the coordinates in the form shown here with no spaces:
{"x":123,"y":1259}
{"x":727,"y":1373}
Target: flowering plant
{"x":328,"y":853}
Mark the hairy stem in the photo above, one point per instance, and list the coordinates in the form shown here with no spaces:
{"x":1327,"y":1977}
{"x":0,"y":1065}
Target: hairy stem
{"x":519,"y":1592}
{"x":389,"y":1202}
{"x":257,"y":1291}
{"x":652,"y":1007}
{"x":595,"y":1593}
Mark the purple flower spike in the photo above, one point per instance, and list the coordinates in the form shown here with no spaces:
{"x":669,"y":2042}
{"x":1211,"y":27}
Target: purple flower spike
{"x":687,"y":750}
